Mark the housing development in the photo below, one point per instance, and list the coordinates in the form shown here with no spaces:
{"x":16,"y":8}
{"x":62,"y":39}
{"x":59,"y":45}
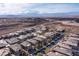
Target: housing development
{"x":39,"y":36}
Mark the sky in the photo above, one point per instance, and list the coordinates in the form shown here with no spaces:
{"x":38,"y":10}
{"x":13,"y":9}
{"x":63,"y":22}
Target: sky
{"x":40,"y":8}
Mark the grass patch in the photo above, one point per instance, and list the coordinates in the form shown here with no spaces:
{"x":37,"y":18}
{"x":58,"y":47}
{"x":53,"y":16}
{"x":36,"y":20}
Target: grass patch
{"x":47,"y":50}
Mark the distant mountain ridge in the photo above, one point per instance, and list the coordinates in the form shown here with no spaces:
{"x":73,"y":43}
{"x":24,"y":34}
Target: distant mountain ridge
{"x":70,"y":14}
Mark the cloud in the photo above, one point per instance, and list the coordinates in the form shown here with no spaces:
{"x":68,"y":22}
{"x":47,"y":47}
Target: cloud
{"x":21,"y":8}
{"x":57,"y":8}
{"x":13,"y":8}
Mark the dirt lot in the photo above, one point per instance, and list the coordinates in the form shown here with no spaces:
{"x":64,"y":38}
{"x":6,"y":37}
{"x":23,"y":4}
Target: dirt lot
{"x":7,"y":26}
{"x":12,"y":26}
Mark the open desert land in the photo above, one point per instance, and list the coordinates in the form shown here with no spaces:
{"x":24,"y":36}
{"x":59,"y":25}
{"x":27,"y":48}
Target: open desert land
{"x":8,"y":25}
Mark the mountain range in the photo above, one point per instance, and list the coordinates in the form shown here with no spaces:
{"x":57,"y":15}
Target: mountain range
{"x":69,"y":14}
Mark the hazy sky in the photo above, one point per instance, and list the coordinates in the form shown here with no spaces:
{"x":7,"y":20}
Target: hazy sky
{"x":20,"y":8}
